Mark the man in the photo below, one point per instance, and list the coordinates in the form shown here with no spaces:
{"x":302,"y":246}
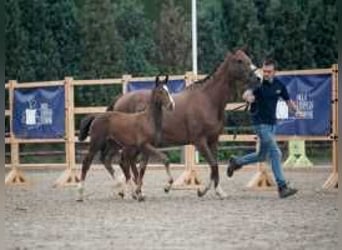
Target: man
{"x":263,"y":100}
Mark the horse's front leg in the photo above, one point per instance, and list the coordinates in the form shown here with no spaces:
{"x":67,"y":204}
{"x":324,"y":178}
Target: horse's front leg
{"x":218,"y":189}
{"x":203,"y":147}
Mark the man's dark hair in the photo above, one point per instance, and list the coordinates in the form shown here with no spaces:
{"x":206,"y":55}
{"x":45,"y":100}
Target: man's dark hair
{"x":270,"y":62}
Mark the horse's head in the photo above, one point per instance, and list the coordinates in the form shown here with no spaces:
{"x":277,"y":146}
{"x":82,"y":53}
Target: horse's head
{"x":241,"y":67}
{"x":162,"y":94}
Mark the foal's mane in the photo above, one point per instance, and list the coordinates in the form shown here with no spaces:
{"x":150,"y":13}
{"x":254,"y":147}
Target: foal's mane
{"x":157,"y":115}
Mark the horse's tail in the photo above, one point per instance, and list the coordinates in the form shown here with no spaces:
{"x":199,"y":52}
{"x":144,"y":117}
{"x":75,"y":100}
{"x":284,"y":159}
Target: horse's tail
{"x":84,"y":127}
{"x":110,"y":107}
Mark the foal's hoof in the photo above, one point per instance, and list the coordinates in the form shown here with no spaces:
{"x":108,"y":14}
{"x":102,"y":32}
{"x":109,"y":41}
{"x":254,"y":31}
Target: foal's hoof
{"x":200,"y":193}
{"x":79,"y":200}
{"x":135,"y":196}
{"x":167,"y":189}
{"x":141,"y":198}
{"x":221,"y":195}
{"x":121,"y":194}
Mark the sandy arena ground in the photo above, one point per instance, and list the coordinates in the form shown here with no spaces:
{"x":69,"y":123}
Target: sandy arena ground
{"x":42,"y":217}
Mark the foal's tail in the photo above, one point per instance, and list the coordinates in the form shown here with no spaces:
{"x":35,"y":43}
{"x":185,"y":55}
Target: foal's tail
{"x":84,"y":127}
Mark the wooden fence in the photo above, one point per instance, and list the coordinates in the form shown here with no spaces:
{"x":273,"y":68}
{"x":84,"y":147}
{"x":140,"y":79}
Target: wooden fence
{"x":189,"y":178}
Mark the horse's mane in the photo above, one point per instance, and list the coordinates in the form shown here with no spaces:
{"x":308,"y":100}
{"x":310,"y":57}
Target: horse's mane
{"x":200,"y":83}
{"x":110,"y":107}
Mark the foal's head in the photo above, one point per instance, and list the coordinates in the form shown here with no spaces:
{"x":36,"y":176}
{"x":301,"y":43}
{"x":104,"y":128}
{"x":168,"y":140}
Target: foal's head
{"x":161,"y":94}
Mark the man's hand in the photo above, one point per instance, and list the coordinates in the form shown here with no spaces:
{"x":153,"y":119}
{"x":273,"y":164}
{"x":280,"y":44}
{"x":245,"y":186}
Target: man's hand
{"x":299,"y":114}
{"x":248,"y":96}
{"x":293,"y":107}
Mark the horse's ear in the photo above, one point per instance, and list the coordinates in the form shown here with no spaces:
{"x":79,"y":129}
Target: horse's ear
{"x":245,"y":48}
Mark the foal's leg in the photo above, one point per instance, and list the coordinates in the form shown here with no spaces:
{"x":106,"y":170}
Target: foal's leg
{"x":142,"y":168}
{"x":85,"y":167}
{"x":107,"y":155}
{"x":106,"y":158}
{"x":204,"y":149}
{"x":129,"y":156}
{"x":125,"y":166}
{"x":133,"y":165}
{"x":149,"y":149}
{"x":132,"y":155}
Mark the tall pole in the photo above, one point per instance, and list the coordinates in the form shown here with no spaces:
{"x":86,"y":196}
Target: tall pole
{"x":194,"y":37}
{"x":189,"y":177}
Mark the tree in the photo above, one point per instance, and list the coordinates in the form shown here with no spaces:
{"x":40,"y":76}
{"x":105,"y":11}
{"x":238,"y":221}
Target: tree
{"x":173,"y":40}
{"x":322,"y":32}
{"x":16,"y":42}
{"x":65,"y":29}
{"x":211,"y":30}
{"x":243,"y":28}
{"x":101,"y":45}
{"x":286,"y":32}
{"x":42,"y":40}
{"x":43,"y":56}
{"x":137,"y":34}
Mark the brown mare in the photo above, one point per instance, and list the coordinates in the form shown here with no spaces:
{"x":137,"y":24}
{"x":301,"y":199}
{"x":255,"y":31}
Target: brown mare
{"x":111,"y":131}
{"x":198,"y":118}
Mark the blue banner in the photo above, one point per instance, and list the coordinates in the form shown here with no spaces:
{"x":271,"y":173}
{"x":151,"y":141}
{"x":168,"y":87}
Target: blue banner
{"x":312,"y":94}
{"x":174,"y":86}
{"x":39,"y":112}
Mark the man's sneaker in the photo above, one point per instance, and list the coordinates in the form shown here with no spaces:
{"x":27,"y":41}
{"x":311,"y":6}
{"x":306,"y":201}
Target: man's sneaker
{"x":286,"y":191}
{"x":232,"y":166}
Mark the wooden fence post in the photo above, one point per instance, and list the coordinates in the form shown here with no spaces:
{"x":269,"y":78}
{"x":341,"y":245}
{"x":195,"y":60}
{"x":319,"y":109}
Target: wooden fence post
{"x":332,"y":181}
{"x":69,"y":177}
{"x":125,"y":81}
{"x":262,"y":179}
{"x":15,"y":176}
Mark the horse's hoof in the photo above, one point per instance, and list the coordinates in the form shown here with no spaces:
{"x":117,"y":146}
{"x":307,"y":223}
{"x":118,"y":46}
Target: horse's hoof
{"x":79,"y":200}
